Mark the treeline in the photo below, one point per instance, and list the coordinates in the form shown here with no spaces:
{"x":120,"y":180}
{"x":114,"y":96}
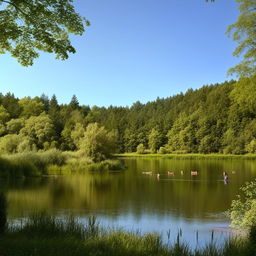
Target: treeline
{"x":218,"y":118}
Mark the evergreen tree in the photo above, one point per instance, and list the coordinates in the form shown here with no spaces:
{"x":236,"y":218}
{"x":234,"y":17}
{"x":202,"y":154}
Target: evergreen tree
{"x":74,"y":104}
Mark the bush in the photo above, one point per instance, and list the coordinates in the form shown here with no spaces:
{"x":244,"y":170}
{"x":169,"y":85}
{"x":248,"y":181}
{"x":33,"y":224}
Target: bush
{"x":243,"y":209}
{"x":140,"y":149}
{"x":162,"y":150}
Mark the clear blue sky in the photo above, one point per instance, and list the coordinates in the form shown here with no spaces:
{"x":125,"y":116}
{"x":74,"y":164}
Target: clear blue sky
{"x":134,"y":50}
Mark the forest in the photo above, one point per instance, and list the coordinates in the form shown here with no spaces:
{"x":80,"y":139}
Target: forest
{"x":218,"y":118}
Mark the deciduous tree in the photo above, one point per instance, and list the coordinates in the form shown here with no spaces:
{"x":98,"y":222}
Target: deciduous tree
{"x":243,"y":31}
{"x":30,"y":26}
{"x":97,"y":143}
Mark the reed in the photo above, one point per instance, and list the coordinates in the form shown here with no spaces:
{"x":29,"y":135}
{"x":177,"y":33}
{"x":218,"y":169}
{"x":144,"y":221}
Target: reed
{"x":52,"y":162}
{"x":32,"y":164}
{"x":42,"y":234}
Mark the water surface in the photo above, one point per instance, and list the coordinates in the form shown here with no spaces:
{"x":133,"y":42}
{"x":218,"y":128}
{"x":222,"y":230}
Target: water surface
{"x":136,"y":201}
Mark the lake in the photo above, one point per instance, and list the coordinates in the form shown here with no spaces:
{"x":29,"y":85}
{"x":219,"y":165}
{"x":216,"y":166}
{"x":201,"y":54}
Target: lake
{"x":135,"y":201}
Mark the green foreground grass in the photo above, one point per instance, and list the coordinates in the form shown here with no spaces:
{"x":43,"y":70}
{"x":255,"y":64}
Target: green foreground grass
{"x":190,"y":156}
{"x":52,"y":162}
{"x":45,"y":235}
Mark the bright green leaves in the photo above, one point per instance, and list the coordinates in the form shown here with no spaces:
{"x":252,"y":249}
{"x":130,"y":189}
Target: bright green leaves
{"x":244,"y":32}
{"x":27,"y":27}
{"x":155,"y":140}
{"x":96,"y":142}
{"x":243,"y":210}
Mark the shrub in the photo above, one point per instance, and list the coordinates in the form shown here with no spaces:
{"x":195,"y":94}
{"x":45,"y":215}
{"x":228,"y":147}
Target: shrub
{"x":243,"y":209}
{"x":162,"y":150}
{"x":140,"y":149}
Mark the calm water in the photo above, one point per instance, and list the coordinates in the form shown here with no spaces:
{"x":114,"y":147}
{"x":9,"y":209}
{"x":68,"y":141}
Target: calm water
{"x":135,"y":201}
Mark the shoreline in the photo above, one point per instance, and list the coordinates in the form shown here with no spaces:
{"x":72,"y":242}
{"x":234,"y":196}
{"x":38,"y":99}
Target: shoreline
{"x":189,"y":156}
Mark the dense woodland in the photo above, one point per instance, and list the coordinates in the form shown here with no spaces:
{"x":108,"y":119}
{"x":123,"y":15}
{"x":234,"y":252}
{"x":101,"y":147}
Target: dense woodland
{"x":218,"y":118}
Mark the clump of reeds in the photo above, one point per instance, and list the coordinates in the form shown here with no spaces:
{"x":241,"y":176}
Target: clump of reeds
{"x":113,"y":165}
{"x":32,"y":164}
{"x":42,"y":234}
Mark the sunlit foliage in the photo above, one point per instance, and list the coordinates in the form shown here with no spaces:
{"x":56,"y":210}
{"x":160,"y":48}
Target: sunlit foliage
{"x":28,"y":27}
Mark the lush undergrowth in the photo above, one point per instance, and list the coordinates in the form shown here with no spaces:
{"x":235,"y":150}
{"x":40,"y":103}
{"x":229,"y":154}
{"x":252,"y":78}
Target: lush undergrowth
{"x":45,"y":235}
{"x":32,"y":164}
{"x":190,"y":156}
{"x":52,"y":162}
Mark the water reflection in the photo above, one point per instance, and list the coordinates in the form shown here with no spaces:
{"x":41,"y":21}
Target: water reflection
{"x":135,"y":200}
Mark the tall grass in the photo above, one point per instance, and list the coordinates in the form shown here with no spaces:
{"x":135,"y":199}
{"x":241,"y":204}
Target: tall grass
{"x":52,"y":162}
{"x":45,"y":235}
{"x":30,"y":164}
{"x":113,"y":165}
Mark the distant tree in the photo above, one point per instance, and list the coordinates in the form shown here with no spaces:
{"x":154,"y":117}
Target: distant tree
{"x":39,"y":129}
{"x":154,"y":140}
{"x":55,"y":115}
{"x":97,"y":143}
{"x":4,"y":115}
{"x":74,"y":103}
{"x":11,"y":104}
{"x":15,"y":125}
{"x":71,"y":120}
{"x":205,"y":145}
{"x":243,"y":98}
{"x":130,"y":140}
{"x":175,"y":135}
{"x":53,"y":104}
{"x":38,"y":25}
{"x":77,"y":134}
{"x":45,"y":100}
{"x":31,"y":107}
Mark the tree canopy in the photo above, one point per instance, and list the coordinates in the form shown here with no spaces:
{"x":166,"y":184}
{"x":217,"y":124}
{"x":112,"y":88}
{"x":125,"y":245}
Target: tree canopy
{"x":218,"y":118}
{"x":30,"y":26}
{"x":243,"y":31}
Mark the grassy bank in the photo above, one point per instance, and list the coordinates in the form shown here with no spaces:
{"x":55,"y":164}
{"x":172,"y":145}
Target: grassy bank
{"x":52,"y":162}
{"x":191,"y":156}
{"x":45,"y":235}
